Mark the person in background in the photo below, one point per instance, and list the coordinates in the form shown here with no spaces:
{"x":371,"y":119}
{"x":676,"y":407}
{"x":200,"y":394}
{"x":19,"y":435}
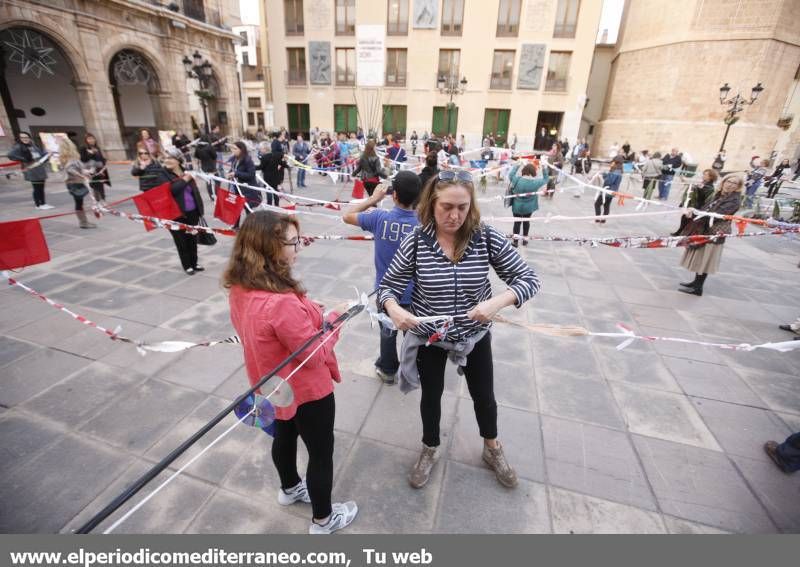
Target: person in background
{"x":28,"y":154}
{"x":651,"y":173}
{"x":300,"y":151}
{"x":207,"y":156}
{"x":555,"y":157}
{"x":396,"y":154}
{"x":431,"y":168}
{"x":369,"y":168}
{"x":523,"y":180}
{"x":754,"y":180}
{"x":582,"y":167}
{"x":274,"y":317}
{"x":187,"y":197}
{"x":780,"y":174}
{"x":93,"y":159}
{"x":611,"y":181}
{"x":671,"y":164}
{"x":513,"y":144}
{"x":146,"y":142}
{"x":449,"y":258}
{"x":389,"y":228}
{"x":273,"y":165}
{"x":697,"y":196}
{"x":180,"y":141}
{"x":786,"y":455}
{"x":77,"y":178}
{"x":704,"y":259}
{"x":243,"y":171}
{"x":414,"y":140}
{"x":151,"y":173}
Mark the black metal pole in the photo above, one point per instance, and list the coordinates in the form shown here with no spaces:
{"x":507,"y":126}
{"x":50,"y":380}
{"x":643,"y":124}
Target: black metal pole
{"x":169,"y":459}
{"x":725,"y":137}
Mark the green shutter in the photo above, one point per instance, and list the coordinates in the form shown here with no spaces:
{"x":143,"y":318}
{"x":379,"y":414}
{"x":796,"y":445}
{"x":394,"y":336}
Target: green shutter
{"x":503,"y":117}
{"x":439,"y":126}
{"x":388,"y":120}
{"x":339,"y":117}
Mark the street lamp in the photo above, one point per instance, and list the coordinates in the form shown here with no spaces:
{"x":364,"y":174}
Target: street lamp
{"x":201,"y":70}
{"x":735,"y":105}
{"x":451,"y":86}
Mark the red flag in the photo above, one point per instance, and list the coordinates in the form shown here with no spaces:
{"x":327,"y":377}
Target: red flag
{"x":334,"y":206}
{"x":157,"y":202}
{"x":229,"y":206}
{"x":291,"y":207}
{"x":22,"y":244}
{"x":358,"y":189}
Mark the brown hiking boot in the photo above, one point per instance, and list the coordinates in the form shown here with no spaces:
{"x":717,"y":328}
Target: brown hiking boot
{"x":421,"y":472}
{"x":496,"y":460}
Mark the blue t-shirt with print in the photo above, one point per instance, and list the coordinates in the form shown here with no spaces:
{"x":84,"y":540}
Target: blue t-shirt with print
{"x":389,"y":229}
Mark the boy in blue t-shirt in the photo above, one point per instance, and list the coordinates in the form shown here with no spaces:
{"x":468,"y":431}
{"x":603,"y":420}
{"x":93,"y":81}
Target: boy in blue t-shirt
{"x":389,"y":229}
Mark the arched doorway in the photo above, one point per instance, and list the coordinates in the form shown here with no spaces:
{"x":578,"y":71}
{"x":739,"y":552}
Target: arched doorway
{"x":135,"y":87}
{"x":37,"y":85}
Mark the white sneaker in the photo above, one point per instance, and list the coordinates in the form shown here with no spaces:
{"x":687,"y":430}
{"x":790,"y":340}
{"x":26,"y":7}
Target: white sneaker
{"x":46,"y":207}
{"x":342,"y":515}
{"x":298,"y":493}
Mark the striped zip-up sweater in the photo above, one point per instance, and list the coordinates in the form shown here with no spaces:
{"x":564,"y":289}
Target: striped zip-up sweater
{"x":442,"y":287}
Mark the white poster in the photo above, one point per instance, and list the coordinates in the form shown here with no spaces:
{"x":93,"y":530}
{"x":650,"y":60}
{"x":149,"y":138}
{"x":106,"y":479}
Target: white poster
{"x":370,"y":55}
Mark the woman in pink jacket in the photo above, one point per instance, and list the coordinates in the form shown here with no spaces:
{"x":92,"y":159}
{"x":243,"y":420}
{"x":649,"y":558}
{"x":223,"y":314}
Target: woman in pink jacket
{"x":274,"y":317}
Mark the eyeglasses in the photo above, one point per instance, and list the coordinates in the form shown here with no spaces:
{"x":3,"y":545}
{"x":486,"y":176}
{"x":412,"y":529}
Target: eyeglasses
{"x":144,"y":154}
{"x":450,"y":175}
{"x":298,"y":244}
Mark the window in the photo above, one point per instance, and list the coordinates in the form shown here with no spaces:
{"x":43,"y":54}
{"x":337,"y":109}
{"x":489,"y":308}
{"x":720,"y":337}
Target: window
{"x":293,"y":16}
{"x":502,"y":70}
{"x":508,"y":18}
{"x":345,"y":118}
{"x":566,"y":18}
{"x":260,"y":119}
{"x":445,"y":120}
{"x":243,"y":35}
{"x":251,"y":119}
{"x":558,"y":71}
{"x":253,"y":102}
{"x":397,"y":18}
{"x":345,"y":17}
{"x":394,"y":119}
{"x":298,"y":119}
{"x":346,"y":66}
{"x":194,"y":9}
{"x":452,"y":17}
{"x":449,"y":62}
{"x":245,"y":58}
{"x":297,"y":65}
{"x":396,"y":67}
{"x":495,"y":121}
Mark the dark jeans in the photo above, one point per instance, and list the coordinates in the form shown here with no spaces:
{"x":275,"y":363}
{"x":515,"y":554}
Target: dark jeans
{"x":38,"y":192}
{"x":78,"y":203}
{"x":664,"y":186}
{"x":99,"y":190}
{"x":301,"y":177}
{"x":313,"y":422}
{"x":603,"y":200}
{"x":273,"y":199}
{"x":789,"y":452}
{"x":186,"y":243}
{"x":479,"y":372}
{"x":211,"y":186}
{"x":525,"y":224}
{"x":388,"y":361}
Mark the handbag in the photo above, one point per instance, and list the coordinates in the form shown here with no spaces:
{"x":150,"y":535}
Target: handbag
{"x":77,"y":189}
{"x":205,"y":238}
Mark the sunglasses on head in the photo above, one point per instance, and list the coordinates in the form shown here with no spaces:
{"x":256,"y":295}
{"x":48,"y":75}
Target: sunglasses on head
{"x":451,"y":175}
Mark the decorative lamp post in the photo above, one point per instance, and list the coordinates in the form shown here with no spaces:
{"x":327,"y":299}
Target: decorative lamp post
{"x":201,"y":70}
{"x":735,"y":105}
{"x":451,"y":86}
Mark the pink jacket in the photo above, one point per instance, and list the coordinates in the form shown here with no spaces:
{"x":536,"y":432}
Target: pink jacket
{"x":273,"y":325}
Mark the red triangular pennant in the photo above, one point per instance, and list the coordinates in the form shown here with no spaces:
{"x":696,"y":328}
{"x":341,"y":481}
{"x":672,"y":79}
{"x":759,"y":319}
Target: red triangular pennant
{"x":157,"y":202}
{"x":229,"y":206}
{"x":22,"y":244}
{"x":358,"y":189}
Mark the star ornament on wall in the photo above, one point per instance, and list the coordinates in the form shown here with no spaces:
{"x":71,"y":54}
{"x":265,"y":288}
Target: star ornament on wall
{"x":28,"y":49}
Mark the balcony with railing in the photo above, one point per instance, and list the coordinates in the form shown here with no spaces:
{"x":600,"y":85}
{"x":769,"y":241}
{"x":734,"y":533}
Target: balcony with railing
{"x":501,"y":81}
{"x":295,"y":78}
{"x":556,"y":84}
{"x":195,"y":9}
{"x":565,"y":30}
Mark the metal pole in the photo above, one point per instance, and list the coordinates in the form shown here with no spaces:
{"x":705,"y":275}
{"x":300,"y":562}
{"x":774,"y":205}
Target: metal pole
{"x":725,"y":137}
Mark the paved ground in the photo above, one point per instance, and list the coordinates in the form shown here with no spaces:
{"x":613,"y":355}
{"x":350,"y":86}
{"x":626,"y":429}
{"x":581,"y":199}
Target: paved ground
{"x":656,"y":438}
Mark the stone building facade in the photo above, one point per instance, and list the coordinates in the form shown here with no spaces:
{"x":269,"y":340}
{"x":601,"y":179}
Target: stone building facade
{"x":110,"y":67}
{"x":667,"y":71}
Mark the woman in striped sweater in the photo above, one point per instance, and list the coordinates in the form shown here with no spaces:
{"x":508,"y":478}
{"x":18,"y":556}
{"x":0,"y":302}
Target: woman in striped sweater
{"x":448,"y":256}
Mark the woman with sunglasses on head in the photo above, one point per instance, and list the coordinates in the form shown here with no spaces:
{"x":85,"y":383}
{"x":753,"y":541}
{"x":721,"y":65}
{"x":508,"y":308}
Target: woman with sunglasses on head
{"x":187,"y":196}
{"x":449,"y":256}
{"x":150,"y":173}
{"x":273,"y":317}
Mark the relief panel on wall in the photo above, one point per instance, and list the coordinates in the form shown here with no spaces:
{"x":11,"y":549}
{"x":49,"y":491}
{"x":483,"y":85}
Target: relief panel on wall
{"x":320,"y":53}
{"x":531,"y":64}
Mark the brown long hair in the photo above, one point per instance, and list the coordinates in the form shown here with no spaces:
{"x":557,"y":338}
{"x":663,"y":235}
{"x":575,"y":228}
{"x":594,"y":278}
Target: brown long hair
{"x":256,"y":261}
{"x":427,"y":203}
{"x":369,"y":149}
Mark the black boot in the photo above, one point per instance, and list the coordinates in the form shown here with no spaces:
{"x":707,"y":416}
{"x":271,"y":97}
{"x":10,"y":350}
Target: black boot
{"x":698,"y":288}
{"x":692,"y":283}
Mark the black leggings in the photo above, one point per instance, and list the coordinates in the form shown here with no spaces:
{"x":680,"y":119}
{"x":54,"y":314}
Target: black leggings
{"x":369,"y":187}
{"x":526,"y":225}
{"x":38,"y":192}
{"x":273,"y":199}
{"x":313,"y":422}
{"x":99,"y":190}
{"x":479,"y":372}
{"x":186,"y":243}
{"x":605,"y":201}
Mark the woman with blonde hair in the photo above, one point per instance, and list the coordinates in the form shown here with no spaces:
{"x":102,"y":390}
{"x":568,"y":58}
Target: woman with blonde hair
{"x":273,"y":317}
{"x":77,"y":178}
{"x":449,"y":256}
{"x":703,"y":259}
